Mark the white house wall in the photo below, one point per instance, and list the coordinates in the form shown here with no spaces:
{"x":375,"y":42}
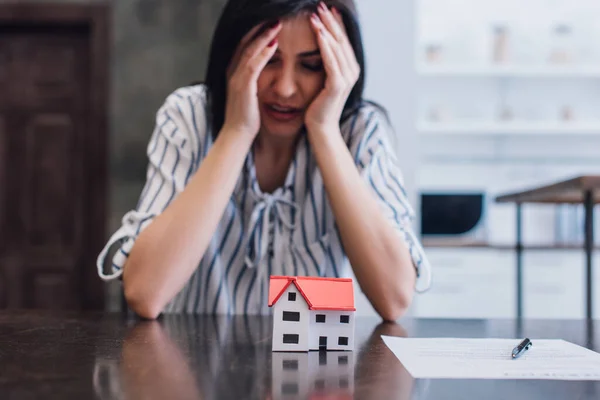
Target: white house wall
{"x":281,"y":327}
{"x":332,"y":329}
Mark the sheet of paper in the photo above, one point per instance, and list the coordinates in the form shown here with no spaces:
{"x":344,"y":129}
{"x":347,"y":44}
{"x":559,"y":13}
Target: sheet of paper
{"x":491,"y":359}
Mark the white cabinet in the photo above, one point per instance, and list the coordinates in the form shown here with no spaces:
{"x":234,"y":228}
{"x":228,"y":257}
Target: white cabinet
{"x":481,"y":283}
{"x":553,"y":282}
{"x":596,"y":280}
{"x":469,"y":283}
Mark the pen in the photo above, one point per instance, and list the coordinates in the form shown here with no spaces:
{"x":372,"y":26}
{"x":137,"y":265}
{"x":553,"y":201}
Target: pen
{"x":521,"y":348}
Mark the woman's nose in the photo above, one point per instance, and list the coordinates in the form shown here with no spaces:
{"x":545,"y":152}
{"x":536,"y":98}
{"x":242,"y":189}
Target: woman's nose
{"x":285,"y":84}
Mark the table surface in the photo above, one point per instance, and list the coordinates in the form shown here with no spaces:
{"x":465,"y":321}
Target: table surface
{"x":109,"y":356}
{"x":570,"y":191}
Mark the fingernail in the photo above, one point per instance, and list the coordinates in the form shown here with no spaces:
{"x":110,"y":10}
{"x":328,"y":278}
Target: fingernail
{"x":272,"y":42}
{"x":335,"y":11}
{"x":322,"y":6}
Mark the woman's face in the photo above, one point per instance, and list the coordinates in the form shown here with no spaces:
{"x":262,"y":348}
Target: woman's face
{"x":291,"y":80}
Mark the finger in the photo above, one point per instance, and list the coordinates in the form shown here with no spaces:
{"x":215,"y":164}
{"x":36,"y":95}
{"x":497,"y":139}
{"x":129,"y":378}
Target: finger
{"x":257,"y":64}
{"x":257,"y":46}
{"x":328,"y":44}
{"x":332,"y":19}
{"x":331,"y":23}
{"x":241,"y":47}
{"x":248,"y":36}
{"x":330,"y":62}
{"x":339,"y":19}
{"x":348,"y":50}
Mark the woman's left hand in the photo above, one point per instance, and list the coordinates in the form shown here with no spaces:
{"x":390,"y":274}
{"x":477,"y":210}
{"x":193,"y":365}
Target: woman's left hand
{"x":341,"y":67}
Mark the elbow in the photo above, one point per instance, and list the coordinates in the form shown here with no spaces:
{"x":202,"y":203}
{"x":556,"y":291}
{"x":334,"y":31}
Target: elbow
{"x":140,"y":297}
{"x":392,"y":313}
{"x":146,"y":307}
{"x":147,"y":311}
{"x":395,"y":308}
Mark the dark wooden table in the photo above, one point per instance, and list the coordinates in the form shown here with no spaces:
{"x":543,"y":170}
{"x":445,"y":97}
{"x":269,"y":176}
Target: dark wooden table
{"x":578,"y":190}
{"x":108,"y":356}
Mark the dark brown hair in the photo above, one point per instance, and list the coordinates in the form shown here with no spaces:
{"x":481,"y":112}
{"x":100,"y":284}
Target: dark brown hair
{"x":240,"y":16}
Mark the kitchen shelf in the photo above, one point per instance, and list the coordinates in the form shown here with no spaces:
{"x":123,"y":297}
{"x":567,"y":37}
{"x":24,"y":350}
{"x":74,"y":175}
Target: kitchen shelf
{"x":504,"y":128}
{"x":466,"y":244}
{"x":509,"y":71}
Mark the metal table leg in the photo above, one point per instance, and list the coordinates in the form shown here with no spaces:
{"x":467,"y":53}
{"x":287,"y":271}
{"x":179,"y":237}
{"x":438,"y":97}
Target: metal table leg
{"x":519,"y":254}
{"x":589,"y":248}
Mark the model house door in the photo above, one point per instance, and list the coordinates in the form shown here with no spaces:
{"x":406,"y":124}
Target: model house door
{"x":322,"y":342}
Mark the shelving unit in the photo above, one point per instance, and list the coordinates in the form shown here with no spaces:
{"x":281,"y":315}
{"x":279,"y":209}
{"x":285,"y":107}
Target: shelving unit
{"x":510,"y":128}
{"x":494,"y":113}
{"x":457,"y":244}
{"x":508,"y":71}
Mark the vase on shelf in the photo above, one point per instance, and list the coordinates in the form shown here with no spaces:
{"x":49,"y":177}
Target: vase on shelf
{"x":500,"y":44}
{"x":562,"y":46}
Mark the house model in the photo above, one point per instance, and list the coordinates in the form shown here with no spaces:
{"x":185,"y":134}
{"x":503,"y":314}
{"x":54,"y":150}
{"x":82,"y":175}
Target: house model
{"x":311,"y":313}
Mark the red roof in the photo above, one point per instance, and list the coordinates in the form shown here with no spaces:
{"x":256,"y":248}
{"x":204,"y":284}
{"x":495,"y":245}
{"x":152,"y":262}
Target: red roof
{"x":319,"y":293}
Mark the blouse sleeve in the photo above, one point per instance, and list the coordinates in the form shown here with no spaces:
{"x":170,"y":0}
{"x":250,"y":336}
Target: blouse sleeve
{"x":174,"y":153}
{"x":377,"y":163}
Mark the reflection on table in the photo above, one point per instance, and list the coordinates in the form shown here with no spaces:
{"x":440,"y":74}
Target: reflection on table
{"x":110,"y":356}
{"x":221,"y":358}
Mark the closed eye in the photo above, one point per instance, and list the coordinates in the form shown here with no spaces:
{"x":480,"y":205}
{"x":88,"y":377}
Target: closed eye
{"x":313,"y":66}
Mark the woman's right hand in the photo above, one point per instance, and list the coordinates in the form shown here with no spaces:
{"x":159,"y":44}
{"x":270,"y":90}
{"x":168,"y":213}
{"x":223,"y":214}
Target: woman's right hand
{"x":242,"y":112}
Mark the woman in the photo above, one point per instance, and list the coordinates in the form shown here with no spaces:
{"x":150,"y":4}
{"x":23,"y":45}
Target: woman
{"x":275,"y":166}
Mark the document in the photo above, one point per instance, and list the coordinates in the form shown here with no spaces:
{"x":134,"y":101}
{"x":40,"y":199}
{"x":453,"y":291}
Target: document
{"x":491,"y":359}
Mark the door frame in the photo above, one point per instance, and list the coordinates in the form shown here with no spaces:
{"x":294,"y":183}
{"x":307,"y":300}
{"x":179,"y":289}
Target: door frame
{"x":95,"y":17}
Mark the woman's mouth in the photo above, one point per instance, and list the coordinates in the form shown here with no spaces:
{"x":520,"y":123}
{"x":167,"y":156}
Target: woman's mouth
{"x":282,"y":113}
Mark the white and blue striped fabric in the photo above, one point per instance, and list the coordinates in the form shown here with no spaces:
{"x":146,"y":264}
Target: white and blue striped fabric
{"x":291,"y":231}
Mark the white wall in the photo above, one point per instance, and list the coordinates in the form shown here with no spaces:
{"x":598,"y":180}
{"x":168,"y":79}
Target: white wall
{"x":388,"y":29}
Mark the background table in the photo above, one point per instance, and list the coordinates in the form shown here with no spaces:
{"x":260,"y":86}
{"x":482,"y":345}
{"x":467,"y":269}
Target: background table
{"x":578,"y":190}
{"x":104,"y":356}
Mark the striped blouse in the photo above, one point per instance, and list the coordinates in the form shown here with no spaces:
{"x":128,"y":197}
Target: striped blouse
{"x":291,"y":231}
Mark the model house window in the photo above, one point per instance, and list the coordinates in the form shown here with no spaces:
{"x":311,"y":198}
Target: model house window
{"x":289,"y":388}
{"x":344,"y":319}
{"x":343,"y":383}
{"x":291,"y":316}
{"x":342,"y":341}
{"x":320,"y":384}
{"x":343,"y":360}
{"x":290,"y":365}
{"x":321,"y":318}
{"x":289,"y":338}
{"x":291,"y":296}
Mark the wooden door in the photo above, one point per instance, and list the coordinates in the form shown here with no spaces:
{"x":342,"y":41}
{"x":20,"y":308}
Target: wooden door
{"x":47,"y":214}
